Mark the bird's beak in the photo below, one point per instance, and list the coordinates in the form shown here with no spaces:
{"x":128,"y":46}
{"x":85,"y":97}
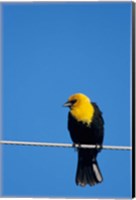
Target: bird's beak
{"x":67,"y":104}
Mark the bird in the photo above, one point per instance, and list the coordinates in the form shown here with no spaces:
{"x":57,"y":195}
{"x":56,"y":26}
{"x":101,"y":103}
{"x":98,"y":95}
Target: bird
{"x":86,"y":126}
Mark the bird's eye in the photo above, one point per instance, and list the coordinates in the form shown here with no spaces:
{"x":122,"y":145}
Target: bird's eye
{"x":73,"y":101}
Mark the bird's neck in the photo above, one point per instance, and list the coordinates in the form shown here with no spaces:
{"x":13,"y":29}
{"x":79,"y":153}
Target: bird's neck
{"x":83,"y":113}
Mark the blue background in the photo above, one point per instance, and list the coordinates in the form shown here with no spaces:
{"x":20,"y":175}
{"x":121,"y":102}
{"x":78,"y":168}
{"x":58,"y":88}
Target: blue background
{"x":50,"y":51}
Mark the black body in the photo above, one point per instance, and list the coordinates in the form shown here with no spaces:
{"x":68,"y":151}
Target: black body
{"x":88,"y":171}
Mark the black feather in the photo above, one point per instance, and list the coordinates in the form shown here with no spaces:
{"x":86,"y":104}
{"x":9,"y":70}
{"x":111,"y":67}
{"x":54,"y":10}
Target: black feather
{"x":88,"y":171}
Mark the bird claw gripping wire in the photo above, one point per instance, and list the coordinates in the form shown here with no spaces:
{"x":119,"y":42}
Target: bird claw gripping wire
{"x":75,"y":146}
{"x":99,"y":147}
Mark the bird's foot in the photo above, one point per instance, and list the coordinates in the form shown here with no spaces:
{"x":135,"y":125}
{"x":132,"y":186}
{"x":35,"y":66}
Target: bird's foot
{"x":99,"y":147}
{"x":76,"y":146}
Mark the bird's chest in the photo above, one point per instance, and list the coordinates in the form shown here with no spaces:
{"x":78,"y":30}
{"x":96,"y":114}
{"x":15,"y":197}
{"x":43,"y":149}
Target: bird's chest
{"x":83,"y":115}
{"x":80,"y":132}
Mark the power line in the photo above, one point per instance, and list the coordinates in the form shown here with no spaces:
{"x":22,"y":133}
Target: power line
{"x":64,"y":145}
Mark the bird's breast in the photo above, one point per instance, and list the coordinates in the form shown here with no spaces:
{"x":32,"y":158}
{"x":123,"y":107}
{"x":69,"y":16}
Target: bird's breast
{"x":83,"y":114}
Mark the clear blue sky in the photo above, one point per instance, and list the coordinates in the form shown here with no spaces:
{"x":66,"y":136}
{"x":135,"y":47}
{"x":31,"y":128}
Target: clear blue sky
{"x":51,"y":51}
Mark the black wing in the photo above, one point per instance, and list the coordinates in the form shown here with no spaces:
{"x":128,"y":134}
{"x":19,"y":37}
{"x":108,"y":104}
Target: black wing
{"x":98,"y":124}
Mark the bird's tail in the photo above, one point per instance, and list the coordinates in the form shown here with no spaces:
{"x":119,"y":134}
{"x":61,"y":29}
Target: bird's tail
{"x":88,"y":171}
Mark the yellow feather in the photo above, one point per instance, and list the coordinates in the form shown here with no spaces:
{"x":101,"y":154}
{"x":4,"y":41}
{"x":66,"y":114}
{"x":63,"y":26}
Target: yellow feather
{"x":82,"y":110}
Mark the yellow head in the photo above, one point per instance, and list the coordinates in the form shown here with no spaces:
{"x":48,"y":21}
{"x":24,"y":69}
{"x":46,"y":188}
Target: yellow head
{"x":80,"y":107}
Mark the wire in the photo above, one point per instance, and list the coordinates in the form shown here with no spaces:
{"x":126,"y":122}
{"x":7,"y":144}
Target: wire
{"x":45,"y":144}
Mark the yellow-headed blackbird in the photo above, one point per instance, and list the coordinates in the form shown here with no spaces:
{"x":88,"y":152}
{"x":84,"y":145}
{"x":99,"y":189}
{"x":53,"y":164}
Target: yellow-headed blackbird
{"x":86,"y":126}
